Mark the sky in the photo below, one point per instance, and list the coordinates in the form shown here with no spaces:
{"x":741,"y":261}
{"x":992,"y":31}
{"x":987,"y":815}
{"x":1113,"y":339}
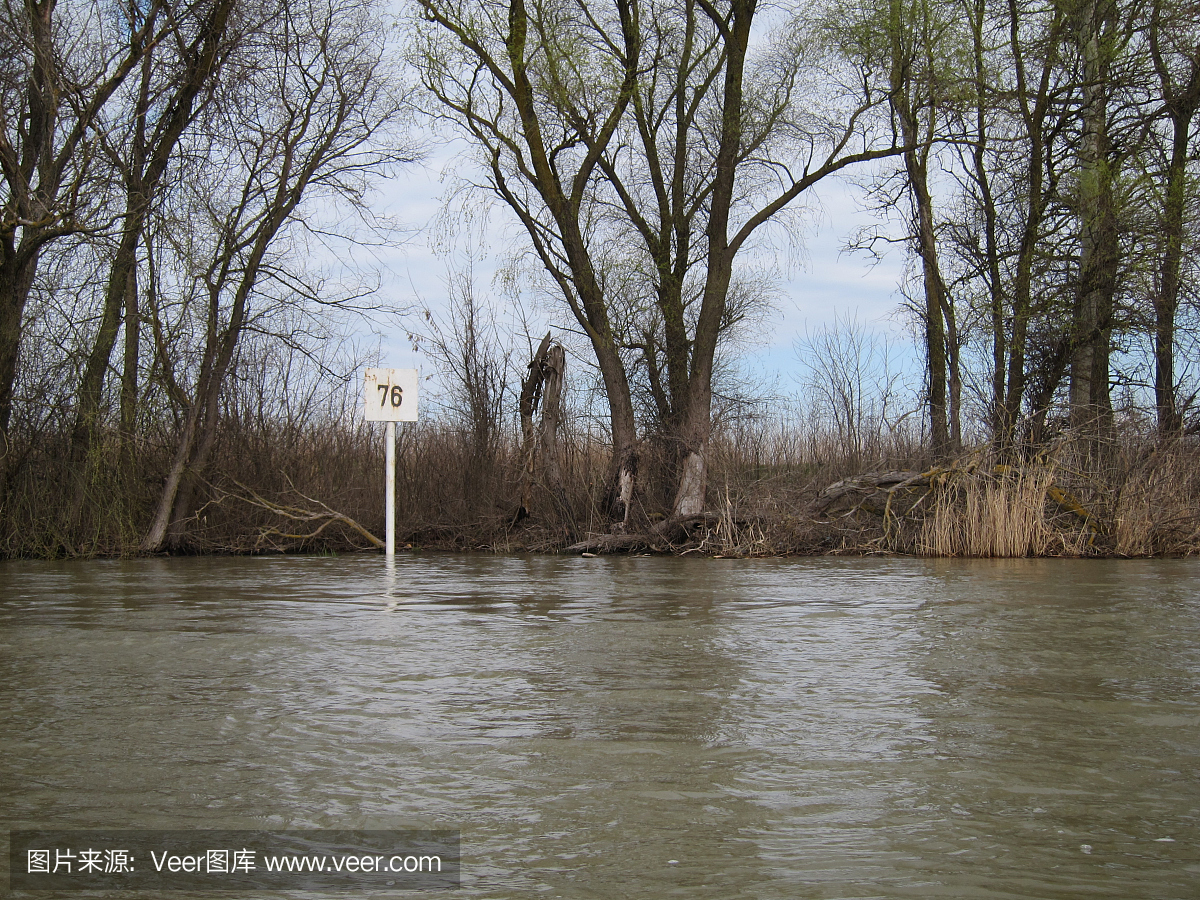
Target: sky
{"x":820,"y":283}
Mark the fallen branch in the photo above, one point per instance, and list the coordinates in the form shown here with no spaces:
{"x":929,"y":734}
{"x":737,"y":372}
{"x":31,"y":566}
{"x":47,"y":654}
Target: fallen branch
{"x":326,"y":516}
{"x":1069,"y":503}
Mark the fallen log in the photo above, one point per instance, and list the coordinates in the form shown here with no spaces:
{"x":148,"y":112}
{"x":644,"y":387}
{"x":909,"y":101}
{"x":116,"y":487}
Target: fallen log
{"x":615,"y":543}
{"x":665,"y":536}
{"x":890,"y":483}
{"x":867,"y":483}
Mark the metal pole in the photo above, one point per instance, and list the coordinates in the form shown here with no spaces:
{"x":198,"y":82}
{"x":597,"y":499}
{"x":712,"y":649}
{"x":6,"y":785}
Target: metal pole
{"x":390,"y":489}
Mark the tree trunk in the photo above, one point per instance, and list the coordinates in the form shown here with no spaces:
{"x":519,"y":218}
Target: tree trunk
{"x":527,"y":406}
{"x":1180,"y":103}
{"x":540,"y":450}
{"x":904,"y":54}
{"x":697,"y":422}
{"x":121,"y":281}
{"x":935,"y":298}
{"x":556,"y":365}
{"x":193,"y":473}
{"x":954,"y":366}
{"x":1090,"y":403}
{"x":157,"y":534}
{"x":129,"y":376}
{"x":696,"y":428}
{"x":16,"y":281}
{"x":1166,"y":299}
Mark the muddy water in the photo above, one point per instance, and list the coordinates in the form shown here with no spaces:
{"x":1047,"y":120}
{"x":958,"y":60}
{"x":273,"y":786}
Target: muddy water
{"x":631,"y":727}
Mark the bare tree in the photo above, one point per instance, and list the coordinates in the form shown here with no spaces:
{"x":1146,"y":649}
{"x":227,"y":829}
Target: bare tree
{"x":468,"y":351}
{"x":918,"y":46}
{"x":306,"y":112}
{"x":1176,"y":59}
{"x":650,"y":132}
{"x":167,"y":97}
{"x":853,"y":385}
{"x":494,"y":69}
{"x":60,"y":72}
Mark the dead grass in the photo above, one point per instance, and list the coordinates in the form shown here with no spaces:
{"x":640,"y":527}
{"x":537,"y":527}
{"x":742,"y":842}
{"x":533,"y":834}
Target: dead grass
{"x":989,"y":513}
{"x":1156,"y":511}
{"x":1136,"y":498}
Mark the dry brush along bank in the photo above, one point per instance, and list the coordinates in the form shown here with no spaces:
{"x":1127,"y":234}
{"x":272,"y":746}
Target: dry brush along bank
{"x":319,"y":489}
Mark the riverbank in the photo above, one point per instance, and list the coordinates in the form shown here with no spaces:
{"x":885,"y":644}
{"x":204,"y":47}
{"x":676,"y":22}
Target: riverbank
{"x":773,"y":491}
{"x":972,"y":506}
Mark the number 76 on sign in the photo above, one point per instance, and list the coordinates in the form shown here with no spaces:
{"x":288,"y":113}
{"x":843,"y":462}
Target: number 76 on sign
{"x":390,"y":395}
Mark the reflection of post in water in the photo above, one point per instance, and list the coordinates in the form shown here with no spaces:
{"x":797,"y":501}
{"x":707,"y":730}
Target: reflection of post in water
{"x":640,"y":727}
{"x":389,"y":582}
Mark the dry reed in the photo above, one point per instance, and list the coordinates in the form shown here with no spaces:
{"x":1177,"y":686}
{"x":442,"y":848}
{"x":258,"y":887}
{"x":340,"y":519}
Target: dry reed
{"x":1135,"y":499}
{"x":983,"y":513}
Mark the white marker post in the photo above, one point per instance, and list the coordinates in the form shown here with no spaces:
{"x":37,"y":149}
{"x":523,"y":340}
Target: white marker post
{"x":390,"y":395}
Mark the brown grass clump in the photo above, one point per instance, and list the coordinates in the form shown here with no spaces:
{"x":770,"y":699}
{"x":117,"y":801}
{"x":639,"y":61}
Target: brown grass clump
{"x":1157,"y":506}
{"x":998,"y":511}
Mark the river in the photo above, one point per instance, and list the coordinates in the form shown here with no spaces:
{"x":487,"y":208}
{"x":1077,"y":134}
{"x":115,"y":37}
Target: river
{"x":631,"y":726}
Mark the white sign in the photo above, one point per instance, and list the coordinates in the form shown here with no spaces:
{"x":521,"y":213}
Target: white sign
{"x":391,"y":395}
